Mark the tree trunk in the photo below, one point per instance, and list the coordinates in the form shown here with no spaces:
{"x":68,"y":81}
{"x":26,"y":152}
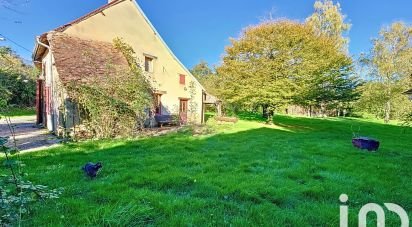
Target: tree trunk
{"x":322,"y":110}
{"x":265,"y":111}
{"x":387,"y":112}
{"x":219,"y":109}
{"x":310,"y":111}
{"x":388,"y":104}
{"x":270,"y":114}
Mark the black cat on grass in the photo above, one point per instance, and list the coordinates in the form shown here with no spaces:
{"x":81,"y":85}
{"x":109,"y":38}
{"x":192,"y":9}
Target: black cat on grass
{"x":91,"y":169}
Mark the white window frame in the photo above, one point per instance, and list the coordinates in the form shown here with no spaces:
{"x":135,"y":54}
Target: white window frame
{"x":150,"y":67}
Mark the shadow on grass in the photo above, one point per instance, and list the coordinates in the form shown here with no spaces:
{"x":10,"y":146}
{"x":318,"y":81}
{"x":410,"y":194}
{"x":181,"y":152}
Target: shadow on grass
{"x":250,"y":116}
{"x":348,"y":126}
{"x":180,"y":179}
{"x":335,"y":123}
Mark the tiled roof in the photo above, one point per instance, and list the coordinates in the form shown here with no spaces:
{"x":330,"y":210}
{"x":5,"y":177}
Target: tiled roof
{"x":83,"y":61}
{"x":39,"y":50}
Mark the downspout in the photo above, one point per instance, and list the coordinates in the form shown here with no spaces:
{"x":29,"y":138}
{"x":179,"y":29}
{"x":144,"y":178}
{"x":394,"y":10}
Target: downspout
{"x":203,"y":107}
{"x":51,"y":79}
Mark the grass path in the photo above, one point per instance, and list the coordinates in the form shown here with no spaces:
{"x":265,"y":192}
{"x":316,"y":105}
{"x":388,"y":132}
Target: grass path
{"x":289,"y":174}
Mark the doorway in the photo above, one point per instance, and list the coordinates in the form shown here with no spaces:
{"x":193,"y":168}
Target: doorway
{"x":183,"y":110}
{"x":39,"y":102}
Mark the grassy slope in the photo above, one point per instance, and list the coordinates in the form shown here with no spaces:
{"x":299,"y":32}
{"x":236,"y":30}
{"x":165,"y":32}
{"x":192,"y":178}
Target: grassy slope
{"x":286,"y":175}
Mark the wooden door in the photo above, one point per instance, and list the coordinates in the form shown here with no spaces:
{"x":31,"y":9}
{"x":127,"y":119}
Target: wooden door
{"x":183,"y":111}
{"x":158,"y":104}
{"x":39,"y":101}
{"x":47,"y":105}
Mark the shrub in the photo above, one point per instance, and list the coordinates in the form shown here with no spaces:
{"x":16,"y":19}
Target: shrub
{"x":17,"y":194}
{"x":17,"y":80}
{"x":116,"y":105}
{"x":407,"y":120}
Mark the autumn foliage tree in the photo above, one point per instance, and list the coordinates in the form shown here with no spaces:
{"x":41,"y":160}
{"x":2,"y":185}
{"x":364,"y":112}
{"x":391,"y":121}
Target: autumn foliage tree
{"x":336,"y":87}
{"x":201,"y":70}
{"x":206,"y":76}
{"x":276,"y":62}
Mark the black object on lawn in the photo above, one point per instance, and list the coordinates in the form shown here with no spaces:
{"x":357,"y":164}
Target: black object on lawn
{"x":366,"y":143}
{"x":91,"y":169}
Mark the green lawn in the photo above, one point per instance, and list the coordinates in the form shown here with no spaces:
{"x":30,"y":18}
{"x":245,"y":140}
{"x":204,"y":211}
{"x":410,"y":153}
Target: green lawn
{"x":289,"y":174}
{"x":19,"y":112}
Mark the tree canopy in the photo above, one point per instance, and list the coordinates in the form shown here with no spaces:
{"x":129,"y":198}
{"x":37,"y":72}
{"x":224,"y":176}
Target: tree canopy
{"x":201,"y":70}
{"x":329,"y":20}
{"x":274,"y":62}
{"x":390,"y":64}
{"x":17,"y":80}
{"x":206,"y":76}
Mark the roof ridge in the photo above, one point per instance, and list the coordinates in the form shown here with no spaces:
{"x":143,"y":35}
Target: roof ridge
{"x":84,"y":17}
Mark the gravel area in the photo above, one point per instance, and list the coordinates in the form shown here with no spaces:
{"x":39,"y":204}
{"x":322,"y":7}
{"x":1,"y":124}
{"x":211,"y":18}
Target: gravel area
{"x":29,"y":136}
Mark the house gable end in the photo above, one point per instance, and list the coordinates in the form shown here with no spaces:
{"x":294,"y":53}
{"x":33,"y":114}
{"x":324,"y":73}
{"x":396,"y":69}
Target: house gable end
{"x":107,"y":23}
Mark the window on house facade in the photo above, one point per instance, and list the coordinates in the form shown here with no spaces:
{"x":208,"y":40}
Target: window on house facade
{"x":182,"y":79}
{"x":148,"y":64}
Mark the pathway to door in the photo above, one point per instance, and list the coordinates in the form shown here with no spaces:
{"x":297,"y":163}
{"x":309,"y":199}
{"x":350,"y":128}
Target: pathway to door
{"x":28,"y":135}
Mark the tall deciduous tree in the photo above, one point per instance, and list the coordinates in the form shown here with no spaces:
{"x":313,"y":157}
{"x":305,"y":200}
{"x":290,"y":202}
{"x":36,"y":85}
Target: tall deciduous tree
{"x":391,"y":62}
{"x":329,"y":20}
{"x":202,"y":69}
{"x":373,"y":99}
{"x":336,"y":86}
{"x":206,"y":76}
{"x":333,"y":89}
{"x":272,"y":61}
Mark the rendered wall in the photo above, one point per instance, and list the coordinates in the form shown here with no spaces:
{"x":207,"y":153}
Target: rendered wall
{"x":125,"y":20}
{"x":55,"y":120}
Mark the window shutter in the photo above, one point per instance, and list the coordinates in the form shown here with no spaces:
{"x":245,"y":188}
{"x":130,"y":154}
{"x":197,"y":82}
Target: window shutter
{"x":182,"y":79}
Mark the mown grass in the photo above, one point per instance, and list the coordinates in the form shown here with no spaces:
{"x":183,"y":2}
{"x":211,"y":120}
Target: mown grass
{"x":18,"y":111}
{"x":288,"y":174}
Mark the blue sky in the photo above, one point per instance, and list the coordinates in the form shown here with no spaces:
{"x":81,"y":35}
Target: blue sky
{"x":198,"y":30}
